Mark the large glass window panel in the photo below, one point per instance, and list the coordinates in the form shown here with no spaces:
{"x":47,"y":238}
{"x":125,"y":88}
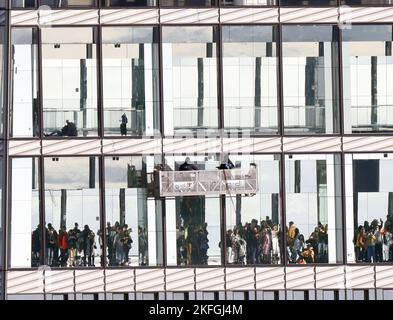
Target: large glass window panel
{"x":248,"y":2}
{"x":130,"y":80}
{"x":23,"y":3}
{"x":26,"y":231}
{"x":369,"y":207}
{"x":24,"y":113}
{"x":368,"y":78}
{"x":310,"y":79}
{"x":69,"y":81}
{"x":129,"y":3}
{"x":3,"y":74}
{"x":188,"y":3}
{"x":313,"y":208}
{"x":133,"y":215}
{"x":72,"y":212}
{"x":313,"y":3}
{"x":253,"y":229}
{"x":365,"y":2}
{"x":68,"y":4}
{"x":189,"y":79}
{"x":193,"y":228}
{"x":250,"y":78}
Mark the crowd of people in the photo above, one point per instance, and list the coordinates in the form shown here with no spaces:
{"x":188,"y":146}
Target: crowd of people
{"x":77,"y":247}
{"x":253,"y":243}
{"x":374,"y":241}
{"x":312,"y":250}
{"x":192,"y":244}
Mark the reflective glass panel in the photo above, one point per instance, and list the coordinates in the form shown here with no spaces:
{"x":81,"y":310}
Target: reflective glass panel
{"x":250,"y":78}
{"x":130,"y":81}
{"x":369,"y":207}
{"x":367,"y":78}
{"x":67,"y":3}
{"x":23,"y":3}
{"x":133,"y":215}
{"x":193,"y":222}
{"x":312,"y":3}
{"x":128,"y":3}
{"x":365,"y":2}
{"x":313,"y":208}
{"x":253,"y":231}
{"x":69,"y":82}
{"x":24,"y":113}
{"x":187,"y":3}
{"x":189,"y":79}
{"x":72,"y":212}
{"x":310,"y":79}
{"x":248,"y":2}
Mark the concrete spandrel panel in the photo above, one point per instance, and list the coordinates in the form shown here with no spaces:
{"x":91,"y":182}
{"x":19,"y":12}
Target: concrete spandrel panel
{"x":209,"y":279}
{"x":300,"y":278}
{"x":330,"y":277}
{"x":269,"y":278}
{"x":240,"y":279}
{"x":61,"y":281}
{"x":119,"y":280}
{"x":384,"y":277}
{"x":25,"y":282}
{"x":71,"y":147}
{"x":89,"y":281}
{"x":151,"y":280}
{"x":180,"y":279}
{"x":359,"y":277}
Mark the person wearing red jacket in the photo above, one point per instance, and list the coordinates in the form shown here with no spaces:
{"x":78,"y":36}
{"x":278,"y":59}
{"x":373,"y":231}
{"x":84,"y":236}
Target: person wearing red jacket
{"x":63,"y":246}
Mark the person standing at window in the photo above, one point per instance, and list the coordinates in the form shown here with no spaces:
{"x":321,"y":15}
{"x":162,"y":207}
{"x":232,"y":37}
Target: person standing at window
{"x":123,"y":124}
{"x":63,"y":246}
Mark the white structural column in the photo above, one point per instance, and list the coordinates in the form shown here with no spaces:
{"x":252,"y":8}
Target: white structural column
{"x":331,"y":207}
{"x":149,"y":51}
{"x":327,"y":85}
{"x":21,"y":221}
{"x":349,"y":209}
{"x":23,"y":88}
{"x":167,"y":85}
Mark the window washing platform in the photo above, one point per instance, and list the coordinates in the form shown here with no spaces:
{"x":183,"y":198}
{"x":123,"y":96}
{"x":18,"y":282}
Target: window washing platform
{"x":208,"y":182}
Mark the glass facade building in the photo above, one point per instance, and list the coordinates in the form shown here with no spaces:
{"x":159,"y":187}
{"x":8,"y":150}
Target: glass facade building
{"x":99,"y":98}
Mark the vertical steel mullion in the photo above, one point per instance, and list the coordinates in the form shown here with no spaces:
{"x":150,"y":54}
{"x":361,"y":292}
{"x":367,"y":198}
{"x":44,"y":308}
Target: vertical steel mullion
{"x":41,"y":176}
{"x":100,"y":72}
{"x":41,"y":192}
{"x":282,"y":154}
{"x":161,"y":114}
{"x":220,"y":103}
{"x":342,"y":128}
{"x":6,"y":181}
{"x":39,"y":84}
{"x":101,"y":186}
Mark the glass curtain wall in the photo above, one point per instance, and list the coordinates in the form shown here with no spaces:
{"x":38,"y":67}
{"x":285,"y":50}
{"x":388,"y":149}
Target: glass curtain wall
{"x":24,"y":107}
{"x":368,"y":78}
{"x":69,"y":81}
{"x":313,"y":208}
{"x":72,"y":212}
{"x":193,"y":227}
{"x":190,"y":79}
{"x":130,"y":81}
{"x":253,"y":223}
{"x":310,"y":79}
{"x":369,"y":207}
{"x":134,"y":219}
{"x":250,"y":78}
